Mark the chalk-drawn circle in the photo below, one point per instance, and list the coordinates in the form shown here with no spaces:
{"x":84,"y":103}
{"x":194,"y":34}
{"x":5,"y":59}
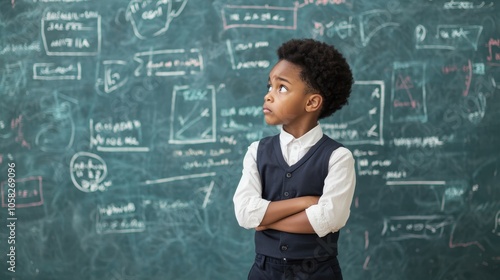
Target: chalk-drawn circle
{"x":87,"y":171}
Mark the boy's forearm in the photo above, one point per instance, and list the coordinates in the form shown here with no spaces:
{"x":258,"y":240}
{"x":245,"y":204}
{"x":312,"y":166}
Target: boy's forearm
{"x":278,"y":210}
{"x":296,"y":223}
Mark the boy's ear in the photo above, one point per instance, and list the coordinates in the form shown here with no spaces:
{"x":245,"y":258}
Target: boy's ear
{"x":314,"y":102}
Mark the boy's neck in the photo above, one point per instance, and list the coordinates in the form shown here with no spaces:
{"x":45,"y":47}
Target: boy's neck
{"x":299,"y":131}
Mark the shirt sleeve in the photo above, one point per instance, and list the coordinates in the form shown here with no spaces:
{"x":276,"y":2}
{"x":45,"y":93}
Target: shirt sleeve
{"x":249,"y":206}
{"x":333,"y":208}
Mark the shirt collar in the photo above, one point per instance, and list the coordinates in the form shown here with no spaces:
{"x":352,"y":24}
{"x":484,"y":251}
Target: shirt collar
{"x":306,"y":140}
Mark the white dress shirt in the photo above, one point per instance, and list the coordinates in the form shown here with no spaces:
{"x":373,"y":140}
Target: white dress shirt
{"x":333,"y":209}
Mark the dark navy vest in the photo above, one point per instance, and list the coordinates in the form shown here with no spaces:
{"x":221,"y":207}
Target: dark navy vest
{"x":281,"y":181}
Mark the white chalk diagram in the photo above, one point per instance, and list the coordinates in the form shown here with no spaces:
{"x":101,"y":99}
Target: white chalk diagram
{"x":182,"y":196}
{"x":117,"y":136}
{"x":361,"y":122}
{"x":430,"y":196}
{"x":71,"y":33}
{"x":448,"y":37}
{"x":172,"y":62}
{"x":61,"y":71}
{"x":408,"y":93}
{"x":248,"y":55}
{"x":88,"y":172}
{"x":151,"y":18}
{"x":193,"y":115}
{"x":111,"y":76}
{"x":120,"y":217}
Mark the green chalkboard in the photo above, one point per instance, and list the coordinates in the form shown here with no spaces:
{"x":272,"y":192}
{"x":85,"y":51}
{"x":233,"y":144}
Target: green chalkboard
{"x":123,"y":125}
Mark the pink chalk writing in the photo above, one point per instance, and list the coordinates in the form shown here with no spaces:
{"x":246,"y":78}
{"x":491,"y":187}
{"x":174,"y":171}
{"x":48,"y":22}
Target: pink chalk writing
{"x":28,"y":192}
{"x":18,"y":123}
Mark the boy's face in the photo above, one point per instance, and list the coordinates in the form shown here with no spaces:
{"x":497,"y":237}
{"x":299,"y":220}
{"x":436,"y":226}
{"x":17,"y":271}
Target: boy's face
{"x":286,"y":100}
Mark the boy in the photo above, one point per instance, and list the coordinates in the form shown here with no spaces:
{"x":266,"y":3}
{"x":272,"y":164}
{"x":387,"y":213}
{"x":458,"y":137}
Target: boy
{"x":297,"y":187}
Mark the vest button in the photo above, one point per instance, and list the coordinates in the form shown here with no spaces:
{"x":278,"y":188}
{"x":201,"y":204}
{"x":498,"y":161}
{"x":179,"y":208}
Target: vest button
{"x":284,"y":247}
{"x":286,"y":193}
{"x":288,"y":175}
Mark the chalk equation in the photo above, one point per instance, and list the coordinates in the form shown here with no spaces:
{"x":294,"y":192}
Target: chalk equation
{"x":88,"y":172}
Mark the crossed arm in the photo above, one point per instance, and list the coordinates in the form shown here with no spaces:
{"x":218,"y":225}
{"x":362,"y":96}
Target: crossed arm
{"x":289,"y":215}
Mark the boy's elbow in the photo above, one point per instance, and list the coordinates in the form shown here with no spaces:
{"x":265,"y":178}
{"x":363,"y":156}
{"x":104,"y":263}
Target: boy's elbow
{"x":242,"y":223}
{"x":240,"y":217}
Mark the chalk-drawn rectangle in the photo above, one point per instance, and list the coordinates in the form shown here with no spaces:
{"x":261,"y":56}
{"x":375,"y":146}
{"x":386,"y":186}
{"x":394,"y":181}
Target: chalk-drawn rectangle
{"x":28,"y":192}
{"x":120,"y":217}
{"x":362,"y":121}
{"x":448,"y":37}
{"x":415,"y":227}
{"x":52,"y":71}
{"x":175,"y":62}
{"x":193,"y":115}
{"x":408,"y":95}
{"x":71,"y":33}
{"x":269,"y":17}
{"x":250,"y":54}
{"x":117,"y":136}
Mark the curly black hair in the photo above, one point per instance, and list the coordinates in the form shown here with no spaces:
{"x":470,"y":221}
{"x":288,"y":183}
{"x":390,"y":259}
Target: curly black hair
{"x":324,"y":69}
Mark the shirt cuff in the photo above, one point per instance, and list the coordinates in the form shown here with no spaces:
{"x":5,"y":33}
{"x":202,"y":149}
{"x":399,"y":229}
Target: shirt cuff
{"x":318,"y":221}
{"x":257,"y":210}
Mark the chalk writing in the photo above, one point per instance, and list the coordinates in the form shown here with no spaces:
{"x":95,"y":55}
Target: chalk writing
{"x":449,"y":37}
{"x":111,"y":136}
{"x":269,"y":17}
{"x":71,"y":33}
{"x":415,"y":227}
{"x":176,"y":62}
{"x":247,"y":55}
{"x":28,"y":192}
{"x":419,"y":142}
{"x":52,"y":71}
{"x":88,"y":172}
{"x":119,"y":218}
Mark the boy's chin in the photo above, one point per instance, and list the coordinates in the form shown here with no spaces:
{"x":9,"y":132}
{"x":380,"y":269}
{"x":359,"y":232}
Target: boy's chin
{"x":270,"y":122}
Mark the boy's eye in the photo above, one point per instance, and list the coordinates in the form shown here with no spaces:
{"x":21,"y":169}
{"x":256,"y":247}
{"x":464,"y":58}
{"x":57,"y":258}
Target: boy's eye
{"x":280,"y":89}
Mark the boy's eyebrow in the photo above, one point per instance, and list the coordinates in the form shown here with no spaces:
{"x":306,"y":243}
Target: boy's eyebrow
{"x":280,"y":78}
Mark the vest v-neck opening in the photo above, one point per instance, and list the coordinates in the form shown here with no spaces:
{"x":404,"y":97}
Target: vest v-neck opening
{"x":281,"y":160}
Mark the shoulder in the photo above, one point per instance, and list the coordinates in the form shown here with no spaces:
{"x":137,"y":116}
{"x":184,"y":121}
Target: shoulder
{"x":339,"y":151}
{"x":254,"y":146}
{"x":342,"y":155}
